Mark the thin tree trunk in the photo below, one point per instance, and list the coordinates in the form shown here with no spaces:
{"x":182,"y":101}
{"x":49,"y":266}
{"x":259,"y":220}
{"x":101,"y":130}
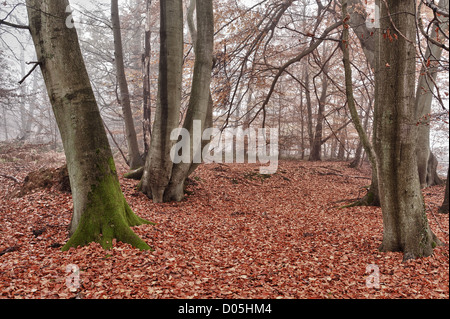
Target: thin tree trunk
{"x":317,"y":141}
{"x":147,"y":105}
{"x":100,"y":211}
{"x":134,"y":158}
{"x":358,"y":156}
{"x":405,"y":224}
{"x":349,"y":91}
{"x":358,"y":22}
{"x":309,"y":110}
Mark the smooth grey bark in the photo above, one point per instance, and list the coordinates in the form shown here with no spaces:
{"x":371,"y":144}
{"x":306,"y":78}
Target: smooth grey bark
{"x":158,"y":166}
{"x":146,"y":104}
{"x":426,"y":161}
{"x":405,"y":223}
{"x":444,"y":208}
{"x":372,"y":195}
{"x":134,"y":157}
{"x":100,"y":211}
{"x":200,"y":102}
{"x":167,"y":184}
{"x":309,"y":109}
{"x":358,"y":155}
{"x":358,"y":22}
{"x":316,"y":148}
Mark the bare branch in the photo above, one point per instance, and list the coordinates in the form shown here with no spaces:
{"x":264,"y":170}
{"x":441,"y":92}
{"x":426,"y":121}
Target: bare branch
{"x":31,"y":71}
{"x":296,"y":59}
{"x":13,"y":25}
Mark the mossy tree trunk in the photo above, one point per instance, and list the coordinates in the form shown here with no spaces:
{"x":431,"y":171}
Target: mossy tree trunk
{"x":405,"y":223}
{"x":100,"y":211}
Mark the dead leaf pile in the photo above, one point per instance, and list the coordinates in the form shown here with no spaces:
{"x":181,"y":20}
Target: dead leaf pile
{"x":238,"y":234}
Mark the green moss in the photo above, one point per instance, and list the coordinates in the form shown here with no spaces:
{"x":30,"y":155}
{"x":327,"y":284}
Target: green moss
{"x":112,"y":165}
{"x":107,"y":216}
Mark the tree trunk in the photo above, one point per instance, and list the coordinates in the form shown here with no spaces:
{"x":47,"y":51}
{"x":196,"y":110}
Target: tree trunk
{"x":199,"y":102}
{"x":366,"y":36}
{"x":358,"y":155}
{"x":405,"y":224}
{"x":426,"y":161}
{"x":100,"y":211}
{"x":358,"y":23}
{"x":309,"y":109}
{"x":444,"y":208}
{"x":371,"y":197}
{"x":158,"y":166}
{"x":134,"y":158}
{"x":317,"y":141}
{"x":147,"y":105}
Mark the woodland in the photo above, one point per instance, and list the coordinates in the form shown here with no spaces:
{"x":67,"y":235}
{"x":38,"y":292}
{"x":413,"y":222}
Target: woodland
{"x":235,"y":149}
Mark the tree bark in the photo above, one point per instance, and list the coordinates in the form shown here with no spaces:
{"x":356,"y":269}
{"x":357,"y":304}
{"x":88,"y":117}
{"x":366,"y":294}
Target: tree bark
{"x":372,"y":196}
{"x":134,"y":157}
{"x":200,"y":102}
{"x":147,"y":105}
{"x":358,"y":18}
{"x":316,"y":148}
{"x":359,"y":154}
{"x":309,"y":109}
{"x":366,"y":36}
{"x":426,"y":161}
{"x":158,"y":166}
{"x":444,"y":208}
{"x":405,"y":224}
{"x":100,"y":211}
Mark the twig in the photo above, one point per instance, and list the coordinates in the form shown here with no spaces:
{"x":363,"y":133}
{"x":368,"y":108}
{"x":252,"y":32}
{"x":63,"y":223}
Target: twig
{"x":10,"y":177}
{"x":13,"y":25}
{"x":115,"y":142}
{"x":31,"y":71}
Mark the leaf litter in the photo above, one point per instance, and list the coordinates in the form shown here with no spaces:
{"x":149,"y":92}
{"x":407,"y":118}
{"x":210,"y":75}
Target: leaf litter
{"x":237,"y":234}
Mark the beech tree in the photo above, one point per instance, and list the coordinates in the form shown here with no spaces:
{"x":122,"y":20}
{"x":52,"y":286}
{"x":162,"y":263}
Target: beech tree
{"x":405,"y":223}
{"x":355,"y":18}
{"x":350,"y":98}
{"x":100,"y":211}
{"x":200,"y":102}
{"x":158,"y":165}
{"x":134,"y":157}
{"x":426,"y":160}
{"x":162,"y":180}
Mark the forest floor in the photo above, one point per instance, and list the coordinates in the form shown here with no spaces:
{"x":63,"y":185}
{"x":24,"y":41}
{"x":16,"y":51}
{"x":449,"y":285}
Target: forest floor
{"x":238,"y":234}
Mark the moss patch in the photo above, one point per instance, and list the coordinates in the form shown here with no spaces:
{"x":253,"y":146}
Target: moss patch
{"x":107,"y":216}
